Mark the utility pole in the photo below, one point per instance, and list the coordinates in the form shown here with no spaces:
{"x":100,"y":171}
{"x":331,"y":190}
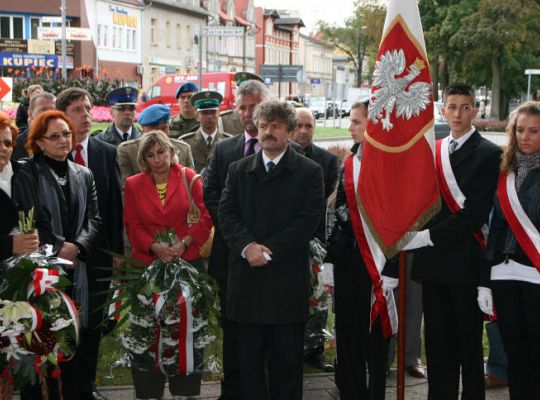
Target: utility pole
{"x":200,"y":55}
{"x":64,"y":45}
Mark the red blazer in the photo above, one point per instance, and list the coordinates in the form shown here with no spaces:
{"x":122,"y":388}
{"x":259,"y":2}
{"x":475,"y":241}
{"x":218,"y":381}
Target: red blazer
{"x":144,"y":215}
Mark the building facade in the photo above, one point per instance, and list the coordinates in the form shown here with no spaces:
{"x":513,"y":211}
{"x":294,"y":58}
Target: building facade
{"x":170,"y":38}
{"x":316,"y":57}
{"x":277,"y":42}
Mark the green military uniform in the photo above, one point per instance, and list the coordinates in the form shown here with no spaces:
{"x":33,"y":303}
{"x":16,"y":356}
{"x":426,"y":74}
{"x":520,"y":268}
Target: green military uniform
{"x":127,"y":156}
{"x":180,"y":126}
{"x":230,"y":122}
{"x":199,"y":147}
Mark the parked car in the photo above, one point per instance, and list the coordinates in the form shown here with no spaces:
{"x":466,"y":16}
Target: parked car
{"x":440,"y":125}
{"x":318,"y":108}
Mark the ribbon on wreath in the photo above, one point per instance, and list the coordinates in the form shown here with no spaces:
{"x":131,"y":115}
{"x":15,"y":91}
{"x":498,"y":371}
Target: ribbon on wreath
{"x":185,"y":332}
{"x":42,"y":281}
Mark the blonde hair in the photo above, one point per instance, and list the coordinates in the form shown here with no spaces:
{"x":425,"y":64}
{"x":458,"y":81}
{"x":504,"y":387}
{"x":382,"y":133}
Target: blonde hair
{"x":149,"y":140}
{"x":509,"y":158}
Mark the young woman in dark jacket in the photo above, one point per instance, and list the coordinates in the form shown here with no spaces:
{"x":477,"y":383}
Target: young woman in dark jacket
{"x":513,"y":252}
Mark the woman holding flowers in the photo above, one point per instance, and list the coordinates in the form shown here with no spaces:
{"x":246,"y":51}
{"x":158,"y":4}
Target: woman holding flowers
{"x":513,"y":252}
{"x":10,"y":244}
{"x":165,"y":197}
{"x":66,"y":191}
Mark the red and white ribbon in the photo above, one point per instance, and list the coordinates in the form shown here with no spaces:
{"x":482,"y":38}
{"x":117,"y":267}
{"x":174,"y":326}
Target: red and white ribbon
{"x":42,"y":280}
{"x":519,"y":222}
{"x":450,"y":190}
{"x":372,"y":255}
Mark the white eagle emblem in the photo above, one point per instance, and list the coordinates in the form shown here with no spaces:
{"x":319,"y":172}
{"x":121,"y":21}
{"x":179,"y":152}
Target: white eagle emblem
{"x":392,"y":92}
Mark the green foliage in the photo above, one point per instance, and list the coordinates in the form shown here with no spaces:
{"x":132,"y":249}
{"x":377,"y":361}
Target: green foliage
{"x":98,"y":89}
{"x":360,"y":36}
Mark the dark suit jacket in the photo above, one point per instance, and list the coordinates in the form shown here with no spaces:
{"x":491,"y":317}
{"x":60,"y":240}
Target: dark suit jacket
{"x":280,"y":210}
{"x":225,"y":152}
{"x":456,"y":256}
{"x":103,"y":163}
{"x":18,"y":150}
{"x":112,"y":136}
{"x":8,"y":219}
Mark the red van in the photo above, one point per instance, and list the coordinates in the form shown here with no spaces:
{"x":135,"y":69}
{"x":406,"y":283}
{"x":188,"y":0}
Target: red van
{"x":163,"y":90}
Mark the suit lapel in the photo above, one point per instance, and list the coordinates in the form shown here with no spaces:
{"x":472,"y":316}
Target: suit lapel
{"x":77,"y":202}
{"x":239,"y":147}
{"x":465,"y":151}
{"x":175,"y":179}
{"x":149,"y":191}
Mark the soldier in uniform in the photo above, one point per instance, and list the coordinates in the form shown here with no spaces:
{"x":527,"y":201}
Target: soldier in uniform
{"x":230,"y":120}
{"x":203,"y":139}
{"x":122,"y":102}
{"x":185,"y":121}
{"x":155,"y":117}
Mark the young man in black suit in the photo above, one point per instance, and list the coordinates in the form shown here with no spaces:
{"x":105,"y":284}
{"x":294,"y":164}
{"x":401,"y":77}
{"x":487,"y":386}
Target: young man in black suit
{"x":100,"y":158}
{"x":249,"y":94}
{"x":449,"y":256}
{"x":269,"y":210}
{"x":303,"y":136}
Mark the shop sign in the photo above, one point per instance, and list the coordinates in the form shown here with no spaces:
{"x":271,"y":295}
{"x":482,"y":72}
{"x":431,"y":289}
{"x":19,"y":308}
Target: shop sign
{"x":55,"y":33}
{"x":40,"y":46}
{"x":120,"y":16}
{"x":28,"y":60}
{"x":70,"y":48}
{"x":13,"y":46}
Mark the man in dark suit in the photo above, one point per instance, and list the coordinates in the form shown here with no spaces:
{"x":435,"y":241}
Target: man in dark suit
{"x":269,"y":211}
{"x":248,"y":95}
{"x":449,"y":256}
{"x":100,"y":158}
{"x":303,"y":135}
{"x":122,"y":102}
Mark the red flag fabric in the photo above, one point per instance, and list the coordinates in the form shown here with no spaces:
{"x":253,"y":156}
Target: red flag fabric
{"x":398,"y":187}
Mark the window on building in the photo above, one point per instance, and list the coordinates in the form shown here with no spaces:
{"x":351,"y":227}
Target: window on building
{"x":153,"y":30}
{"x":34,"y":25}
{"x":133,"y":39}
{"x":114,"y":37}
{"x":168,"y":33}
{"x":121,"y":38}
{"x":18,"y":30}
{"x":100,"y":35}
{"x":178,"y":36}
{"x":128,"y":39}
{"x":105,"y":35}
{"x":5,"y":27}
{"x":188,"y":37}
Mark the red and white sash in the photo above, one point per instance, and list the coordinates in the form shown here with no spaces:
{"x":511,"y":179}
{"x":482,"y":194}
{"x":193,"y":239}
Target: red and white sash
{"x":451,"y":193}
{"x":373,"y":257}
{"x":523,"y":229}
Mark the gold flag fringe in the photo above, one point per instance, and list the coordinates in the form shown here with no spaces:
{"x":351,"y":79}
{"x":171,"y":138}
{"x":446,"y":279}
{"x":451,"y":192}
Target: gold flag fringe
{"x":391,"y":251}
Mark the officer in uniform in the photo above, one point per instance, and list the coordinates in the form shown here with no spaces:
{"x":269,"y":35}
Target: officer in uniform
{"x":155,"y":117}
{"x":185,"y":121}
{"x":122,"y":102}
{"x":202,"y":141}
{"x":230,"y":120}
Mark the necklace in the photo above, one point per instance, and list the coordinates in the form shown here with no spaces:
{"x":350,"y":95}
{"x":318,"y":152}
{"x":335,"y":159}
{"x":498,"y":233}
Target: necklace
{"x":162,"y":190}
{"x":62,"y":180}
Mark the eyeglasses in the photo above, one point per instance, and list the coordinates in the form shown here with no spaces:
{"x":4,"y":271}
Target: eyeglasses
{"x":8,"y":144}
{"x":55,"y":137}
{"x":125,"y":108}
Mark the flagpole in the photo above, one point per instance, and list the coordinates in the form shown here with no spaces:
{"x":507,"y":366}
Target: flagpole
{"x":402,"y":299}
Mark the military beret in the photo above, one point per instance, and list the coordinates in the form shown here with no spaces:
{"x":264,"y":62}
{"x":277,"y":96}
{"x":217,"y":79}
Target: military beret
{"x":246,"y":76}
{"x":186,"y":87}
{"x":207,"y":100}
{"x":122,"y":95}
{"x":154,"y":114}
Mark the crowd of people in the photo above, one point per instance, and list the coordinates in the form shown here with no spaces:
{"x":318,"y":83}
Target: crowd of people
{"x":262,"y":196}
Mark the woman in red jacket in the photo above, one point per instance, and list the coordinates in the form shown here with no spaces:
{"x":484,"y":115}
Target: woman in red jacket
{"x":156,"y":200}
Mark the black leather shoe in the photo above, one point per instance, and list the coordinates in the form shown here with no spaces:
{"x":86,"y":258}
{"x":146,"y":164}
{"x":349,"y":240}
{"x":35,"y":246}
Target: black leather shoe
{"x":319,"y":363}
{"x":93,"y":395}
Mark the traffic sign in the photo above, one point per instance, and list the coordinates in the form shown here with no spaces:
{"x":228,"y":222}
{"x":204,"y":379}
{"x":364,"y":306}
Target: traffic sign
{"x":281,"y":73}
{"x":223,"y":31}
{"x":532,"y":72}
{"x":5,"y":89}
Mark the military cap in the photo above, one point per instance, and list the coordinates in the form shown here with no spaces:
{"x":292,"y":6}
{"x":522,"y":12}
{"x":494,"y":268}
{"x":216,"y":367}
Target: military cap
{"x":185,"y":88}
{"x":246,"y":76}
{"x":122,"y":95}
{"x":154,"y":114}
{"x":207,"y":100}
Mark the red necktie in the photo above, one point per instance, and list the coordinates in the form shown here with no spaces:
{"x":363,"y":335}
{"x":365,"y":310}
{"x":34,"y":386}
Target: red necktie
{"x":78,"y":155}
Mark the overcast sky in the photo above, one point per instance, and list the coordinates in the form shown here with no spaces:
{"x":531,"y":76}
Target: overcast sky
{"x":333,"y":11}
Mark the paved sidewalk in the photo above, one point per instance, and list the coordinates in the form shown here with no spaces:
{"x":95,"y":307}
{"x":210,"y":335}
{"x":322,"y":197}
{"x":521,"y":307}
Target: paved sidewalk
{"x":316,"y":387}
